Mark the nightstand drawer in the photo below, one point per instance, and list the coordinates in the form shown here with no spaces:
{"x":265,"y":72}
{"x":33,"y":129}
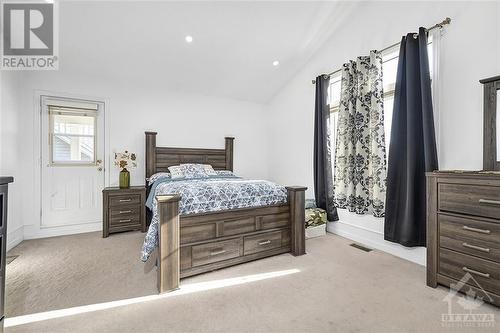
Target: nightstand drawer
{"x":124,"y":211}
{"x":125,"y":221}
{"x":127,"y":199}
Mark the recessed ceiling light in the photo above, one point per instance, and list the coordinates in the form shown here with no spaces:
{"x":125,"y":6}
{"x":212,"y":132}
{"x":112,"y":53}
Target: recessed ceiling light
{"x":189,"y":39}
{"x":276,"y":63}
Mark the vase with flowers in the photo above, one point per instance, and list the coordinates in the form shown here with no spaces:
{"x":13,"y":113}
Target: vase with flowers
{"x":125,"y":160}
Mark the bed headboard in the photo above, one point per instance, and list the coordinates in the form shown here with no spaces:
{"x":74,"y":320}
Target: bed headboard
{"x":158,"y":159}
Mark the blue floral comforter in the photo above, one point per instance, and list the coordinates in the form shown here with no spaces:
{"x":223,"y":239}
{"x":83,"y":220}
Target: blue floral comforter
{"x":210,"y":195}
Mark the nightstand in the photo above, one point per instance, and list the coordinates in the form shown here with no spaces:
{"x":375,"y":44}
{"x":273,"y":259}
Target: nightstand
{"x":123,"y":209}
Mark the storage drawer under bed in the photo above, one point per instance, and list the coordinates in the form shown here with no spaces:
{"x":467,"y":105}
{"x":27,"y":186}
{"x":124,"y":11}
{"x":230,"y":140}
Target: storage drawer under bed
{"x":262,"y":242}
{"x":217,"y":251}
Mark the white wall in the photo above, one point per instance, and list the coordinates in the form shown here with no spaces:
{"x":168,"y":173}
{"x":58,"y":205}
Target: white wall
{"x":180,"y":120}
{"x":10,"y":160}
{"x":471,"y":51}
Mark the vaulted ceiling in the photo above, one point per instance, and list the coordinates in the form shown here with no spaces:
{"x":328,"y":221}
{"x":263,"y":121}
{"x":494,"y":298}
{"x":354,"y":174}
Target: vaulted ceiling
{"x":234,"y":43}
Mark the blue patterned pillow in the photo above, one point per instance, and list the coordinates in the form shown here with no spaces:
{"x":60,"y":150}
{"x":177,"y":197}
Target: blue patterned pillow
{"x":158,"y":175}
{"x":194,"y":171}
{"x":225,"y":173}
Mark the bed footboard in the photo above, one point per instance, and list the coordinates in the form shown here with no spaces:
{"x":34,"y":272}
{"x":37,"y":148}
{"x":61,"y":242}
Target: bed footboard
{"x":276,"y":229}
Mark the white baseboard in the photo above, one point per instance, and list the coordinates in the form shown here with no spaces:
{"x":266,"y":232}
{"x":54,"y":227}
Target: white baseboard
{"x":376,"y":240}
{"x":14,"y":237}
{"x":34,"y":232}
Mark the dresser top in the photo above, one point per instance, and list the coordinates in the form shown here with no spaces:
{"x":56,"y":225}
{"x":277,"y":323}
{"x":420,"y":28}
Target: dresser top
{"x":6,"y":180}
{"x":464,"y":174}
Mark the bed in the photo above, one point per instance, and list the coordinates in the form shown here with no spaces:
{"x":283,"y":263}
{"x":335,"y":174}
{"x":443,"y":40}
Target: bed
{"x":193,"y":238}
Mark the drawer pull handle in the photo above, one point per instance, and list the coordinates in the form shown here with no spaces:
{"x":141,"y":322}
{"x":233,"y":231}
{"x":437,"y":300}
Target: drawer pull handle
{"x":476,"y":247}
{"x":265,"y":242}
{"x":127,"y":220}
{"x":125,"y":211}
{"x":481,"y":231}
{"x":215,"y":253}
{"x":485,"y":275}
{"x":489,"y":202}
{"x":125,"y":200}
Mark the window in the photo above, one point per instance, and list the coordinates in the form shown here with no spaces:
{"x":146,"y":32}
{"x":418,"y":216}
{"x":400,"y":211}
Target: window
{"x":334,"y":101}
{"x":390,"y":59}
{"x":389,"y":69}
{"x":72,"y":135}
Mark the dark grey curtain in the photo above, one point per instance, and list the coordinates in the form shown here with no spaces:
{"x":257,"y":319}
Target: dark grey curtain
{"x":323,"y":180}
{"x":412,"y":151}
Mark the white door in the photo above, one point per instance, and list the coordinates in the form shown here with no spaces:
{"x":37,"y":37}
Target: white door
{"x":72,"y":149}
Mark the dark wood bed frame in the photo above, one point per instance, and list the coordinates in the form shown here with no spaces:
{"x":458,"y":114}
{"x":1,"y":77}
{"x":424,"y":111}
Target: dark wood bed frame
{"x":198,"y":243}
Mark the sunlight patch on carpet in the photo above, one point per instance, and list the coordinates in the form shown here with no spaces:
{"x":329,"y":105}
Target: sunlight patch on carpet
{"x":183,"y":290}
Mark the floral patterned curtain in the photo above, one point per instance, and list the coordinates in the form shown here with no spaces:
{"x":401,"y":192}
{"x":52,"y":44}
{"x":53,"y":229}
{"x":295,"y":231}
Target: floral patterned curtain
{"x":360,"y":155}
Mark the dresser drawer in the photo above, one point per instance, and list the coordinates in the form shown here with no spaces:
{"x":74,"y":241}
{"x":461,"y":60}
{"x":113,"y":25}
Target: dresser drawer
{"x":213,"y":252}
{"x":262,"y":242}
{"x":456,"y":265}
{"x":478,"y":238}
{"x":478,"y":200}
{"x":126,"y":199}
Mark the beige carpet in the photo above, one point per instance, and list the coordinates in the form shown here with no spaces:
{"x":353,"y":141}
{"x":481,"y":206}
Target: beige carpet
{"x":334,"y":288}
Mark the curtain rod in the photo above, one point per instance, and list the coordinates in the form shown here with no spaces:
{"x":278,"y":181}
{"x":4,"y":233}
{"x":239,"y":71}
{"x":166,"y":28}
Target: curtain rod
{"x":435,"y":26}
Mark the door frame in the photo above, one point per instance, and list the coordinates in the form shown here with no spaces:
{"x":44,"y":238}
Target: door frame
{"x":37,"y":230}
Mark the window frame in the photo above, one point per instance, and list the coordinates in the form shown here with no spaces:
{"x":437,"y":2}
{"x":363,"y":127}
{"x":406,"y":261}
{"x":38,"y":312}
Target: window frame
{"x":71,"y":111}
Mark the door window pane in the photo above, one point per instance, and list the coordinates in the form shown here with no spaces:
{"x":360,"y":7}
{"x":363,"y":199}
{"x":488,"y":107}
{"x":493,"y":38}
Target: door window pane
{"x":72,"y":137}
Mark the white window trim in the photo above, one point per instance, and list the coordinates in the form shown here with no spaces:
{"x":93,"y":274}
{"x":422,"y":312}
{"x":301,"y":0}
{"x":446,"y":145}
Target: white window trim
{"x":71,"y":108}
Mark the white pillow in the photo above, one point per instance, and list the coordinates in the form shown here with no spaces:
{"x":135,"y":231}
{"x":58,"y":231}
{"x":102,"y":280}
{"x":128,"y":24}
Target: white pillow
{"x":209,"y":170}
{"x":176,"y":172}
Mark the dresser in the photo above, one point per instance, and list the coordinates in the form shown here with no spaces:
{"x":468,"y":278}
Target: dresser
{"x":123,"y":209}
{"x":463,"y":231}
{"x":4,"y":184}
